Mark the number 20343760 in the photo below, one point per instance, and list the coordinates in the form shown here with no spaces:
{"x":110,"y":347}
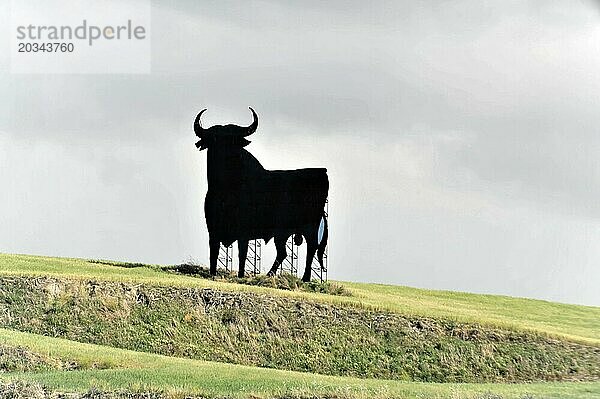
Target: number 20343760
{"x":48,"y":47}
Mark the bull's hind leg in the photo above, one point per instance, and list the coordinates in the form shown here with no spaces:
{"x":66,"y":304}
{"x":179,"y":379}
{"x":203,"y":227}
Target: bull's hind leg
{"x":281,"y":254}
{"x":214,"y":245}
{"x":311,"y":249}
{"x":242,"y":252}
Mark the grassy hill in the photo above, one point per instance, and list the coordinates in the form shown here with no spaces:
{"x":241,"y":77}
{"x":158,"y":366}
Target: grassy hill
{"x":574,"y":322}
{"x":143,"y":328}
{"x":111,"y":369}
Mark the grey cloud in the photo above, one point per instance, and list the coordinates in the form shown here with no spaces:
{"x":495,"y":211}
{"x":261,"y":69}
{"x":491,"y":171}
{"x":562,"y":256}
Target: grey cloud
{"x":454,"y":132}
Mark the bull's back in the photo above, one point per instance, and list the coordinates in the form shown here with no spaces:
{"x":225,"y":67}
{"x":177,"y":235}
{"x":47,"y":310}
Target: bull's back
{"x":286,"y":199}
{"x":298,"y":180}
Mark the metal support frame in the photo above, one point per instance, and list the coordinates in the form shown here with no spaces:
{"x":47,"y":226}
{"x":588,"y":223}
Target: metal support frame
{"x":254,"y":257}
{"x":290,"y":263}
{"x":225,"y":259}
{"x":253,"y":260}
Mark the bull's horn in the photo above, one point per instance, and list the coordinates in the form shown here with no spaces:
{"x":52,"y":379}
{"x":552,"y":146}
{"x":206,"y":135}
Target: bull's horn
{"x":198,"y":129}
{"x":252,"y":128}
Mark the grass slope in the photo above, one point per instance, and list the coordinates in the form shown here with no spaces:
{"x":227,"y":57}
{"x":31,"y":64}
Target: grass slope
{"x":573,"y":322}
{"x":286,"y":333}
{"x":124,"y":369}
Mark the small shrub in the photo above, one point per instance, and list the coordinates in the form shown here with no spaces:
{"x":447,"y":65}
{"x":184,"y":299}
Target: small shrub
{"x":128,"y":265}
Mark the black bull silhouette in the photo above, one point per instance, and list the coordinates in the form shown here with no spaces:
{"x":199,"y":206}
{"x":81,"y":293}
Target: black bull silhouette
{"x":245,"y":201}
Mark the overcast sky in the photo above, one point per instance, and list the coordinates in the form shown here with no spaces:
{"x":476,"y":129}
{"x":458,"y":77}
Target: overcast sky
{"x":462,"y":139}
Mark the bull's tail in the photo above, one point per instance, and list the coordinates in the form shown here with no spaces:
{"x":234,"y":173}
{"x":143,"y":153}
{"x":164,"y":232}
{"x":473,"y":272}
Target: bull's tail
{"x":323,"y":241}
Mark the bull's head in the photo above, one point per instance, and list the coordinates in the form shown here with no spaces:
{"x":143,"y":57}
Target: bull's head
{"x":223,"y":135}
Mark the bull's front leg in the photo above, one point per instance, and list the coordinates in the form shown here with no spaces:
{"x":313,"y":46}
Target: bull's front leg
{"x":242,"y":252}
{"x":215,"y":246}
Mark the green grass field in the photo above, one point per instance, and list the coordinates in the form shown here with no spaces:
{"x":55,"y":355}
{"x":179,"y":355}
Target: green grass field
{"x":123,"y":369}
{"x":110,"y":368}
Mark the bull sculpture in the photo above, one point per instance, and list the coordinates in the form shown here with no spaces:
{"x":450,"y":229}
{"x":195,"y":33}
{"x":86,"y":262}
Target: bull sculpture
{"x":246,"y":202}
